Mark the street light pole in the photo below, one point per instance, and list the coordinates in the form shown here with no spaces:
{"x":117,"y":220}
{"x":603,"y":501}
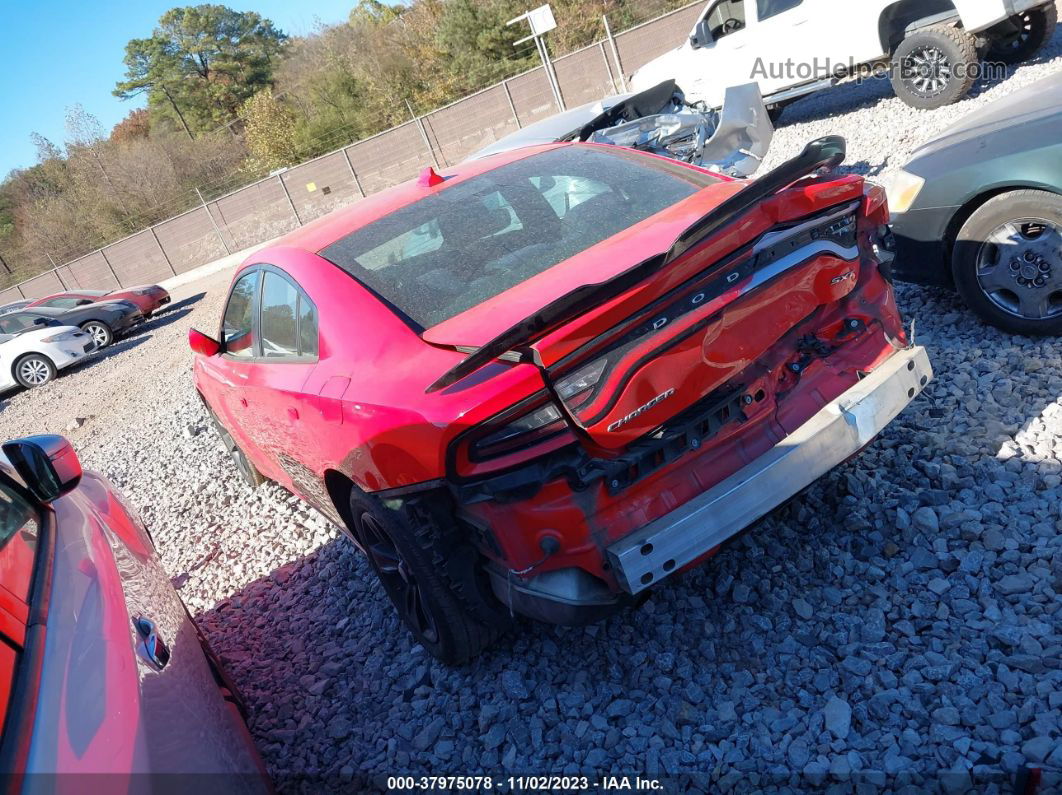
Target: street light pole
{"x":542,"y":22}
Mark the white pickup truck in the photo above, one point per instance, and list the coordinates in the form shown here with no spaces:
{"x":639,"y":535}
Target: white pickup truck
{"x":795,"y":47}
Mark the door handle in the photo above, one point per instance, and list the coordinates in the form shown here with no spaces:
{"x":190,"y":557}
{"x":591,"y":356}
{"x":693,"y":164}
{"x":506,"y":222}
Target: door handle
{"x":293,"y":413}
{"x":243,"y":402}
{"x":151,"y":648}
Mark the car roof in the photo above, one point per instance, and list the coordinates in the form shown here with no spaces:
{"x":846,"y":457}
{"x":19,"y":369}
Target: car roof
{"x":551,"y":129}
{"x":320,"y":234}
{"x":72,"y":294}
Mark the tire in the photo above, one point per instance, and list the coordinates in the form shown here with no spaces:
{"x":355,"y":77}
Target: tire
{"x":34,"y":370}
{"x":432,"y":575}
{"x":925,"y":66}
{"x":1022,"y":36}
{"x":248,"y":472}
{"x":1007,"y":262}
{"x":100,"y":332}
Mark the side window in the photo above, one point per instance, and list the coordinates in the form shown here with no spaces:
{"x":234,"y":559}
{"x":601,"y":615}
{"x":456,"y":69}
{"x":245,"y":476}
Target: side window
{"x":18,"y":543}
{"x":307,"y":327}
{"x":726,"y":17}
{"x":17,"y":322}
{"x":765,"y":9}
{"x":280,"y":318}
{"x":63,"y":303}
{"x":237,"y":327}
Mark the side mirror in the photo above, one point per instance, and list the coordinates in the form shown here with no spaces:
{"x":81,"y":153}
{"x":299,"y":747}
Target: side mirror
{"x":48,"y":465}
{"x":201,"y":343}
{"x":83,"y":302}
{"x":40,"y":321}
{"x":702,"y":35}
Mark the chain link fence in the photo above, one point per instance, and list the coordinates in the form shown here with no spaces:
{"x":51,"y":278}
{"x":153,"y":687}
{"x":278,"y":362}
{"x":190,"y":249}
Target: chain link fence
{"x":283,"y":202}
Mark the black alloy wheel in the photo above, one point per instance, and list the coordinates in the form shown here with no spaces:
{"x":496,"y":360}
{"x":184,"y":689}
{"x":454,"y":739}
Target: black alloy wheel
{"x":397,"y":579}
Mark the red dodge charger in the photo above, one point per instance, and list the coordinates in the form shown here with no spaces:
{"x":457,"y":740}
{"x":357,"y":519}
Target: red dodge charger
{"x":544,"y":382}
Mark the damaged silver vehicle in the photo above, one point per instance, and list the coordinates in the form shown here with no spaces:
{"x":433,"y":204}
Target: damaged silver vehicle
{"x":732,"y":141}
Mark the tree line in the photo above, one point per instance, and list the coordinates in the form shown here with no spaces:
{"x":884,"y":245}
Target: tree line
{"x":229,"y":97}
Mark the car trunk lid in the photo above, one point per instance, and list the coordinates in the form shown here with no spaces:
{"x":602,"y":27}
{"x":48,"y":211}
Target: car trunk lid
{"x":678,"y":338}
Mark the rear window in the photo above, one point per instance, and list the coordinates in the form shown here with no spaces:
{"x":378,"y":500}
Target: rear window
{"x":449,"y":252}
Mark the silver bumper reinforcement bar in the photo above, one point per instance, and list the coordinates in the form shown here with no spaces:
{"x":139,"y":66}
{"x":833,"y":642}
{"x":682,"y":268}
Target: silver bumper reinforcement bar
{"x":840,"y":430}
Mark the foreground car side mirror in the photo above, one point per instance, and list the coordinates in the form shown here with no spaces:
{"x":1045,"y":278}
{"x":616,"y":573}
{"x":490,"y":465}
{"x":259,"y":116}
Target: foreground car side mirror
{"x":702,"y":35}
{"x":201,"y":343}
{"x":47,"y":463}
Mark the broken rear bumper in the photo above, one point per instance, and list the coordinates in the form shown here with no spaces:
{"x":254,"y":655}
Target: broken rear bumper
{"x":838,"y":431}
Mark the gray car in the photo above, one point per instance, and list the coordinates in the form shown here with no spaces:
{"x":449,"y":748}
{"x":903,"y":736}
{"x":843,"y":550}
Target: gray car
{"x":979,"y":210}
{"x":14,"y":306}
{"x":102,"y":321}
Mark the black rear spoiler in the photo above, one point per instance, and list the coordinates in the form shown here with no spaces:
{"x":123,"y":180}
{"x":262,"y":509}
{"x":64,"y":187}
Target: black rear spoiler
{"x":824,"y":153}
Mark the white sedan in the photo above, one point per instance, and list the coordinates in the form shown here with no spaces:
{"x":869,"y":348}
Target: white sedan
{"x":33,"y":357}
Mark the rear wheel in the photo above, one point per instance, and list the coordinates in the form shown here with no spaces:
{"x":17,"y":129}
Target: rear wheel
{"x":1007,"y":262}
{"x":1022,"y":36}
{"x":33,"y":370}
{"x":419,"y":562}
{"x":935,"y":67}
{"x":100,"y":332}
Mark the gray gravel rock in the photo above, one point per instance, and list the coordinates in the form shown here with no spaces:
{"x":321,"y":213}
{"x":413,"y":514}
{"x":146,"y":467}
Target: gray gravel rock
{"x":838,"y":716}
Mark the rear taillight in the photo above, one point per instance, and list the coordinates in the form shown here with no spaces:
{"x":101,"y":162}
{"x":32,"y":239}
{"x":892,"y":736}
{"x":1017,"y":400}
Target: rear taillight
{"x":507,"y":435}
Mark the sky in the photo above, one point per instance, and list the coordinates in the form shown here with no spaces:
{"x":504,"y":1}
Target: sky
{"x":58,"y":53}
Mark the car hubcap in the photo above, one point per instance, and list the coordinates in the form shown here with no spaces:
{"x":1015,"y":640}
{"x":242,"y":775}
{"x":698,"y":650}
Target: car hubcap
{"x":1019,"y":268}
{"x":927,"y":71}
{"x":98,"y":334}
{"x":34,"y":372}
{"x":397,"y":578}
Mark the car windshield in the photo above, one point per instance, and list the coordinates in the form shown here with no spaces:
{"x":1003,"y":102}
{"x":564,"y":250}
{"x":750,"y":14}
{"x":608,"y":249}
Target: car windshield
{"x":464,"y":245}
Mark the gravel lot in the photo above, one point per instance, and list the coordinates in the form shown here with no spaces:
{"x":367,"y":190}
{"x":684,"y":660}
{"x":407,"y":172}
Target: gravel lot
{"x":900,"y":619}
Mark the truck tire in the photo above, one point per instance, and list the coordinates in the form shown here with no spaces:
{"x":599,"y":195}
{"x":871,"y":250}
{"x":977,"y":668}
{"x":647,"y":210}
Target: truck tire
{"x":430,"y":573}
{"x":1007,"y":262}
{"x":934,"y":67}
{"x":1022,"y":36}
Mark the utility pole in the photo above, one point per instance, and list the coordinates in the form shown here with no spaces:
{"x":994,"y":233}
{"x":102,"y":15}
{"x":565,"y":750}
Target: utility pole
{"x":542,"y":22}
{"x":177,"y":110}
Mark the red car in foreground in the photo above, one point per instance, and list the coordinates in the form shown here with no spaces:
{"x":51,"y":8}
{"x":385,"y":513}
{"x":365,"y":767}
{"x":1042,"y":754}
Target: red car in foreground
{"x":552,"y":378}
{"x":148,"y":298}
{"x":101,"y":669}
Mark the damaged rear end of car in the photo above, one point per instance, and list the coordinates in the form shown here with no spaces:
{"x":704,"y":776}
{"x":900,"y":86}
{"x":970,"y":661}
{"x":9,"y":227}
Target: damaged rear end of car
{"x":685,"y":397}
